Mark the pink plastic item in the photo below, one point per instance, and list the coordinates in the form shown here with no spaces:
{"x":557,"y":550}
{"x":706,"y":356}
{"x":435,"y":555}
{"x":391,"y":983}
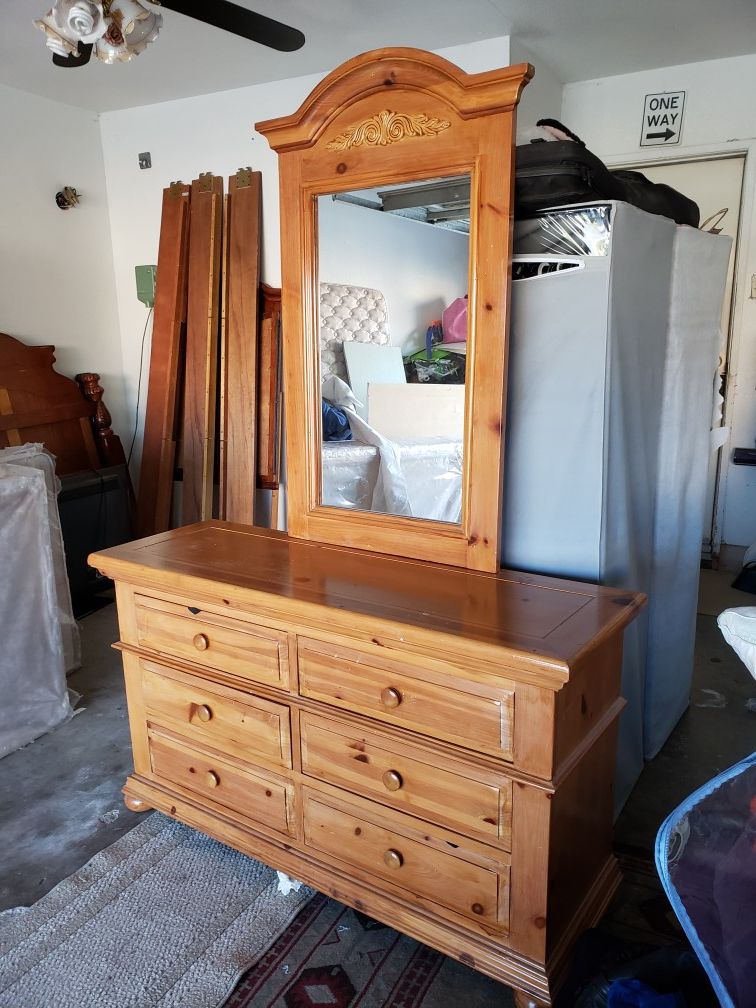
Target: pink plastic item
{"x":454,"y":321}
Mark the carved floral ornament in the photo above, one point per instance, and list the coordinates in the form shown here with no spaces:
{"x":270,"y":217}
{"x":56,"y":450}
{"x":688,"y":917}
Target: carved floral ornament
{"x":386,"y":128}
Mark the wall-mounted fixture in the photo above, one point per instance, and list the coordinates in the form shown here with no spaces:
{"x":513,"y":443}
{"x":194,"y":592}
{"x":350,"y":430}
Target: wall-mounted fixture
{"x":67,"y":198}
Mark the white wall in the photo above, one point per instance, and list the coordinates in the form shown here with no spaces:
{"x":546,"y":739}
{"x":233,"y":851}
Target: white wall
{"x":56,"y":284}
{"x":424,"y":271}
{"x":542,"y":97}
{"x":720,"y":117}
{"x":207,"y":133}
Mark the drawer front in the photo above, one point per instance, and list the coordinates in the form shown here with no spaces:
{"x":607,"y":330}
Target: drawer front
{"x":245,"y":793}
{"x":244,"y":726}
{"x":467,"y":800}
{"x":259,"y":654}
{"x":409,"y":863}
{"x":355,"y":682}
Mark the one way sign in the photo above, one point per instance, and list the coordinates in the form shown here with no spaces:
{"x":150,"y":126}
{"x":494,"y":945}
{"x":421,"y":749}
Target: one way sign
{"x":662,"y":119}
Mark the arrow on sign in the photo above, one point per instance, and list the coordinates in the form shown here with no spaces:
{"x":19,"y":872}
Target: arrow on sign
{"x":661,"y":136}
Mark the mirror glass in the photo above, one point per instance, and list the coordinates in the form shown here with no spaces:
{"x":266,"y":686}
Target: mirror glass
{"x":393,"y":267}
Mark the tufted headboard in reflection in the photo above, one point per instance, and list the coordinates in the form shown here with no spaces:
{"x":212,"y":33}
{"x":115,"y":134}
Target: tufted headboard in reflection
{"x":349,"y":313}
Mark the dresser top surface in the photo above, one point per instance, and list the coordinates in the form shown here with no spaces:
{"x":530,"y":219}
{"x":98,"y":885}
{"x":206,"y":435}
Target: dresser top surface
{"x":545,"y":616}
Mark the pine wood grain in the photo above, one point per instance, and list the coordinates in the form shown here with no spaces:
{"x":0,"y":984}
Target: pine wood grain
{"x":202,"y":334}
{"x":406,"y":778}
{"x":477,"y":138}
{"x":164,"y":385}
{"x":239,"y":384}
{"x":39,"y":404}
{"x":270,"y":396}
{"x":243,"y":649}
{"x":247,"y":727}
{"x":252,"y":795}
{"x":488,"y":625}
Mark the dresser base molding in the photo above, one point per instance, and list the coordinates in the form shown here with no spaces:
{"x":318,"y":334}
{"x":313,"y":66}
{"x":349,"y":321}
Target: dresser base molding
{"x":532,"y":982}
{"x":134,"y":804}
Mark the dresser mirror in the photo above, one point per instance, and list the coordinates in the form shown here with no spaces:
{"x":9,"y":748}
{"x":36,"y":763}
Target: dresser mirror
{"x":392,"y":317}
{"x":396,"y":229}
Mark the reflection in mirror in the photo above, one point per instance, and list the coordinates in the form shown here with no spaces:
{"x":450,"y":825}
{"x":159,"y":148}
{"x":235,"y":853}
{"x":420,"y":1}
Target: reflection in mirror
{"x":393,"y":272}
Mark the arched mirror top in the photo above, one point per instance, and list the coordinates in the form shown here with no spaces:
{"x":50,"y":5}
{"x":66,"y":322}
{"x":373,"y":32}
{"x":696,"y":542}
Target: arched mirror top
{"x":396,"y":218}
{"x":381,"y":72}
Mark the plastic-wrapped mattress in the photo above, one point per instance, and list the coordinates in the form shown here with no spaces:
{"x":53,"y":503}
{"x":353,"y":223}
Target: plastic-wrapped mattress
{"x":41,"y":639}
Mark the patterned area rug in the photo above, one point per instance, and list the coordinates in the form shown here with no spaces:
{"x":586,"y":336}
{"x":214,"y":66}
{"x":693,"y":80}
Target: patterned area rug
{"x":163,"y":918}
{"x":334,"y":957}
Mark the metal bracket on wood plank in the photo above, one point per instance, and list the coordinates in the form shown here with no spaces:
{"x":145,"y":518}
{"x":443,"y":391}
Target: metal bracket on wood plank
{"x":206,"y":181}
{"x":177,"y":189}
{"x":244,"y":177}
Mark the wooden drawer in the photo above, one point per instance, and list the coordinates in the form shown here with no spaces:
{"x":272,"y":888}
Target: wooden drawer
{"x":259,"y":798}
{"x":438,"y":706}
{"x":246,"y":650}
{"x":467,"y":799}
{"x":407,"y":860}
{"x":237,"y":723}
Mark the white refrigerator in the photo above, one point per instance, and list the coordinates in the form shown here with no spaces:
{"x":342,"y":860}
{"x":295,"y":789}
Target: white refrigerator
{"x":613,"y":346}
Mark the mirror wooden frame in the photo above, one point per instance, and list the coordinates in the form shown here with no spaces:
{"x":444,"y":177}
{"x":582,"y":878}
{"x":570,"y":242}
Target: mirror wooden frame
{"x":393,"y":116}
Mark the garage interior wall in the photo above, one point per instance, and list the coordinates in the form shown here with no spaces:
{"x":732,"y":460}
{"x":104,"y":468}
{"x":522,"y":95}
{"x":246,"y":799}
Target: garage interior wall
{"x":57,"y":282}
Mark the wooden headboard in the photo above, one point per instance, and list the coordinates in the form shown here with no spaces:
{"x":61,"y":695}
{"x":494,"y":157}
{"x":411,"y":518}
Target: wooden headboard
{"x":39,"y":404}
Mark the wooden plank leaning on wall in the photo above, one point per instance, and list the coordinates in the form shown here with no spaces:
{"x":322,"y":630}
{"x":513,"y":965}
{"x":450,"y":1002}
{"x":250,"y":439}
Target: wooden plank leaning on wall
{"x":239,"y":379}
{"x":202,"y":321}
{"x":160,"y":425}
{"x":269,"y":404}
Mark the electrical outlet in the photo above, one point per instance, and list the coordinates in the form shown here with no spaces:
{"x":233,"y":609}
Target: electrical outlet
{"x":145,"y":284}
{"x":145,"y":160}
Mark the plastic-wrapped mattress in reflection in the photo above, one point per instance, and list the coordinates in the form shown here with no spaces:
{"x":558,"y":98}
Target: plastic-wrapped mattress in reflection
{"x":430,"y":473}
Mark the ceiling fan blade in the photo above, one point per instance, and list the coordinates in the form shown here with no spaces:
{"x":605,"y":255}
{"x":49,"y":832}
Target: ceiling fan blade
{"x":240,"y":21}
{"x":85,"y":54}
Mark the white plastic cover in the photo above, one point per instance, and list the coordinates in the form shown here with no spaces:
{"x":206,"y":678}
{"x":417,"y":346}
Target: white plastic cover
{"x":420,"y":479}
{"x":738,"y":627}
{"x":595,"y":376}
{"x":36,"y":622}
{"x":699,"y":270}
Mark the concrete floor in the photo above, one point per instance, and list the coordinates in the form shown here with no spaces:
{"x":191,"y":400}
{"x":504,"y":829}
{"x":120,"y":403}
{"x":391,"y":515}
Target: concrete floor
{"x":60,"y":798}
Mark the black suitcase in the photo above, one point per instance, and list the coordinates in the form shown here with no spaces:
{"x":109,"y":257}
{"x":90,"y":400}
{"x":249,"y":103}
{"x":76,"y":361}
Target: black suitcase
{"x":560,"y":172}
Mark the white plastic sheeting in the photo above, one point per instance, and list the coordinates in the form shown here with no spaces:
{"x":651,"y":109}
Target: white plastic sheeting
{"x":738,"y":628}
{"x":699,"y":271}
{"x":41,"y":639}
{"x":592,"y":488}
{"x":421,"y":479}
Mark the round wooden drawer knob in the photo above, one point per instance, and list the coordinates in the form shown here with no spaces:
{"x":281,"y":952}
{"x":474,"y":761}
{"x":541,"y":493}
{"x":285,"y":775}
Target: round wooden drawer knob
{"x":391,"y":697}
{"x":204,"y":713}
{"x":201,"y":642}
{"x":212,"y":778}
{"x":393,"y":859}
{"x":392,"y":780}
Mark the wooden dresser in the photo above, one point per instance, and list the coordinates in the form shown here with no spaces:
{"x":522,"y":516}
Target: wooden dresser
{"x":430,"y":745}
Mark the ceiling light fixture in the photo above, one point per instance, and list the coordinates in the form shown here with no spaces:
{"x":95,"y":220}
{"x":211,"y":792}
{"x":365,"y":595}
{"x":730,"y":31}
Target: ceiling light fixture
{"x":116,"y":30}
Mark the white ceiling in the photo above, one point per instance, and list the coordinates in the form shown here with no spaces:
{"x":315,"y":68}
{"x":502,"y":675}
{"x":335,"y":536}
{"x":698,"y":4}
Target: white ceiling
{"x":579,"y":39}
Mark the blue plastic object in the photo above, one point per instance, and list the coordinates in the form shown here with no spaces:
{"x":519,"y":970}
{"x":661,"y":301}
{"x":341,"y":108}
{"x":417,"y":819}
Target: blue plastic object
{"x":636,"y":994}
{"x":706,"y":858}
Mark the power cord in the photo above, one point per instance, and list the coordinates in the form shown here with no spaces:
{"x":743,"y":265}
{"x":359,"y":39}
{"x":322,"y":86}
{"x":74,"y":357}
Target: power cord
{"x":139,"y":387}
